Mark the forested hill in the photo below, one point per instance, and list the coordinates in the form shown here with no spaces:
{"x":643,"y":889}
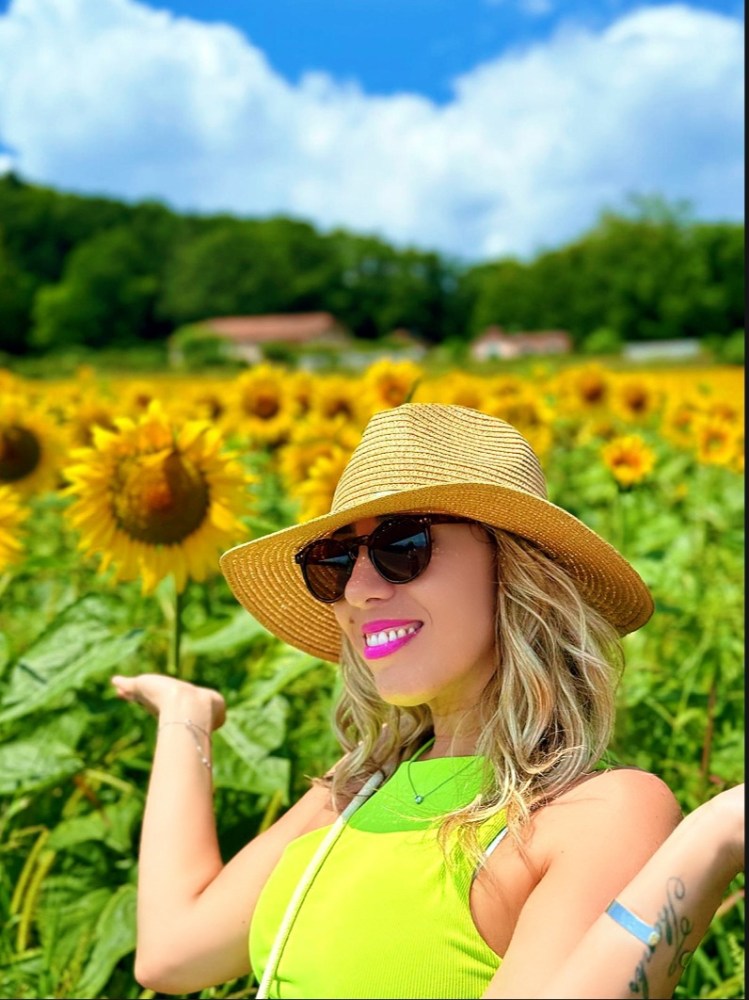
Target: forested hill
{"x":97,"y":272}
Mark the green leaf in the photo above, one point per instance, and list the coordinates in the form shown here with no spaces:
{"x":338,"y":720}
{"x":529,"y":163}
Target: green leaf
{"x":240,"y":631}
{"x":242,"y":747}
{"x":112,"y":825}
{"x":67,"y":923}
{"x":4,"y":652}
{"x":79,"y":645}
{"x":28,"y":765}
{"x":288,"y":665}
{"x":115,"y":938}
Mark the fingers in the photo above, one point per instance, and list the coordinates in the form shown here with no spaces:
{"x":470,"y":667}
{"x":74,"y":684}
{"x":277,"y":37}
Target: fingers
{"x":124,"y":687}
{"x":128,"y":689}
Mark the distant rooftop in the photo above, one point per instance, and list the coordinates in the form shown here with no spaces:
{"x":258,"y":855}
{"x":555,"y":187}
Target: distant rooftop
{"x":295,"y":327}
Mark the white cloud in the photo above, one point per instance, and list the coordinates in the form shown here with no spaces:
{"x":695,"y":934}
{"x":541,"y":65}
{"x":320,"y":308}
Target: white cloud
{"x":119,"y":98}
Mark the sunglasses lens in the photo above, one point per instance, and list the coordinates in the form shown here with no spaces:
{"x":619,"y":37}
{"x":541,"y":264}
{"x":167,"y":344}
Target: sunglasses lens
{"x":401,"y":549}
{"x":327,"y":567}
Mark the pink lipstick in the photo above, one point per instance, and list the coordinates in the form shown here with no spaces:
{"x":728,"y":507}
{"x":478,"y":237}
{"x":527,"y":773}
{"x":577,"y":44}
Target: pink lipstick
{"x":381,"y":638}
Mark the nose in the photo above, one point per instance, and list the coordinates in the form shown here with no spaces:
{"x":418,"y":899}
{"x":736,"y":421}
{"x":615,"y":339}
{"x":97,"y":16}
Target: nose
{"x":365,"y":584}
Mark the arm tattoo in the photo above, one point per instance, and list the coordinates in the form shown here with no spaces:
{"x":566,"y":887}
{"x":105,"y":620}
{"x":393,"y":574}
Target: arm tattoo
{"x":675,"y":930}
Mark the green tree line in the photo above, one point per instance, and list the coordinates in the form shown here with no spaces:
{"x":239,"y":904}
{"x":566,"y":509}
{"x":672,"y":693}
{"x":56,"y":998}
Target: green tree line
{"x":95,"y":272}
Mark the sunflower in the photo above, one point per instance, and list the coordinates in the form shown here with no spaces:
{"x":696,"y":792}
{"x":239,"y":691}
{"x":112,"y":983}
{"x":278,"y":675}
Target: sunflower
{"x":387,"y":383}
{"x":504,"y":388}
{"x":311,"y":439}
{"x":677,"y":421}
{"x":137,"y":395}
{"x":263,"y":408}
{"x":30,"y":445}
{"x":12,"y":515}
{"x":85,"y":413}
{"x":153,"y":498}
{"x":459,"y":389}
{"x":584,"y":390}
{"x":315,"y":494}
{"x":725,"y":409}
{"x":628,"y":458}
{"x":636,"y":399}
{"x":717,"y":441}
{"x":334,"y":397}
{"x":301,"y":386}
{"x":597,"y":429}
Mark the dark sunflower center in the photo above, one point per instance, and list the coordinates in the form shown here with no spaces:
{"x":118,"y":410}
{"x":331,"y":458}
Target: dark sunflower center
{"x":161,"y":504}
{"x":593,"y":392}
{"x":339,"y":407}
{"x":19,"y":453}
{"x":394,"y":394}
{"x":213,"y":406}
{"x":637,"y":400}
{"x":264,"y":405}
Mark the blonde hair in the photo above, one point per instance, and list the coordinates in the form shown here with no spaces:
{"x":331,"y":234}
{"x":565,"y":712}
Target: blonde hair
{"x":547,"y":712}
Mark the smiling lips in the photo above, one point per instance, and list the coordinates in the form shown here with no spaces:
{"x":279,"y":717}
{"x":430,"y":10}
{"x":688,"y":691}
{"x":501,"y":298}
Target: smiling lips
{"x":381,"y":638}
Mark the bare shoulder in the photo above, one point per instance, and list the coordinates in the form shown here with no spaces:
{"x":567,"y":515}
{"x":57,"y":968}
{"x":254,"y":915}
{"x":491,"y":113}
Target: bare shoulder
{"x":623,"y":787}
{"x":621,"y":805}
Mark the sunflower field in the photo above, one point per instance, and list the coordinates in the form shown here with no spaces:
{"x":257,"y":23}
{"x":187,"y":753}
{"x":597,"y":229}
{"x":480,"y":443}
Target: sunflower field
{"x":117,"y":495}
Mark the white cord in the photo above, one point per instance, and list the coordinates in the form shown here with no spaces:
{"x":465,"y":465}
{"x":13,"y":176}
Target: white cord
{"x":306,"y":881}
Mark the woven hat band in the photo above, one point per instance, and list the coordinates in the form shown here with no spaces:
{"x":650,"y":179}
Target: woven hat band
{"x":413,"y":446}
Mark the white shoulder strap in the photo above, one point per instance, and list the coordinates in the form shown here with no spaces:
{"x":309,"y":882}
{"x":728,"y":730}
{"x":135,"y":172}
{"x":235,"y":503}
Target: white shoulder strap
{"x":306,"y":880}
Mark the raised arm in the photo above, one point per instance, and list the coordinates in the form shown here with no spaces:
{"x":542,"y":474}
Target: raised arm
{"x":193,"y":910}
{"x":676,"y":894}
{"x":610,"y":838}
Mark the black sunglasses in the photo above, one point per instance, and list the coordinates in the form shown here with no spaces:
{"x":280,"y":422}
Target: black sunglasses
{"x":399,"y":549}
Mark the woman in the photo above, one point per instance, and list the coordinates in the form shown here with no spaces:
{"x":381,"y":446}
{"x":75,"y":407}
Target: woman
{"x":468,"y":843}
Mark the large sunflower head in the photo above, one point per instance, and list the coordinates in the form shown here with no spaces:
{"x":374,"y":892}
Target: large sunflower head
{"x":154,"y":498}
{"x":12,"y":516}
{"x":30,"y":445}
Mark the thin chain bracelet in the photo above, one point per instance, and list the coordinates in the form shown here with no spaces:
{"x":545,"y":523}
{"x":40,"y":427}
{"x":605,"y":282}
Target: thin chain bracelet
{"x":192,"y":726}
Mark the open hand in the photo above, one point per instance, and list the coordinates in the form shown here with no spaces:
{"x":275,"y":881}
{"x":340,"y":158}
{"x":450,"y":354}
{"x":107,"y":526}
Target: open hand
{"x":157,"y":692}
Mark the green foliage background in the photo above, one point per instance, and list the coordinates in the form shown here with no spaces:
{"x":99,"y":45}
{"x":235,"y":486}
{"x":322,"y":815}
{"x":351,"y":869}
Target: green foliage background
{"x":85,"y":272}
{"x":74,"y":760}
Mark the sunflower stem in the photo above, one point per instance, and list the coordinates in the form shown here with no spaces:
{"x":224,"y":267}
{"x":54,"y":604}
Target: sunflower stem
{"x":174,"y":652}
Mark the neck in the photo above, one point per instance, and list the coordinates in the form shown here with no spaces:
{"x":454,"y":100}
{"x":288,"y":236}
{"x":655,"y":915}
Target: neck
{"x":455,"y":735}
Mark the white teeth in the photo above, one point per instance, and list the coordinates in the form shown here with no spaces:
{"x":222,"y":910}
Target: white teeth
{"x":389,"y":635}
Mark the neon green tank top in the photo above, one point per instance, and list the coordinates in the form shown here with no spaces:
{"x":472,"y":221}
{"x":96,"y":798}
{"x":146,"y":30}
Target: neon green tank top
{"x":385,"y":916}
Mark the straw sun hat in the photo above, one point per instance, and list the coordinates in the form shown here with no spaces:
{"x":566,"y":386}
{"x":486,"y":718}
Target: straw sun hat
{"x":432,"y":458}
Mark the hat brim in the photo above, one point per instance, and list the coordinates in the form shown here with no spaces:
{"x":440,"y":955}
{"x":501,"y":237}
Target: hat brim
{"x":267,"y":582}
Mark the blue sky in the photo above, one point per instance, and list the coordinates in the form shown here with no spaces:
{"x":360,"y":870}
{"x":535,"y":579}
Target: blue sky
{"x":479,"y":128}
{"x":390,"y":46}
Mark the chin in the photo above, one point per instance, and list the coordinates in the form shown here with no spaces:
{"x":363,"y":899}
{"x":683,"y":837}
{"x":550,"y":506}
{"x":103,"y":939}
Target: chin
{"x":404,"y":698}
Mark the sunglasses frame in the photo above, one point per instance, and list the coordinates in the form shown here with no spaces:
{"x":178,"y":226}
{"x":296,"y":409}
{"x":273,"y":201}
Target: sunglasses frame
{"x":352,"y":546}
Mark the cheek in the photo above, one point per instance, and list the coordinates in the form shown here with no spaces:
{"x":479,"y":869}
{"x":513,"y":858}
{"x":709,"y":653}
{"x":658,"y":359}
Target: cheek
{"x":468,"y":605}
{"x":474,"y":588}
{"x":342,"y":617}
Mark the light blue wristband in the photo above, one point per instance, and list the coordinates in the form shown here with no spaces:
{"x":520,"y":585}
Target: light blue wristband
{"x":627,"y":919}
